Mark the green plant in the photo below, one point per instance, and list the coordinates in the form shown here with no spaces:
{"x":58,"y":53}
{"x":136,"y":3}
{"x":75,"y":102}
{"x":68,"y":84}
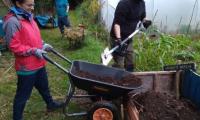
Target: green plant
{"x":94,"y":8}
{"x":90,"y":10}
{"x":44,"y":7}
{"x":153,"y":54}
{"x":184,"y":55}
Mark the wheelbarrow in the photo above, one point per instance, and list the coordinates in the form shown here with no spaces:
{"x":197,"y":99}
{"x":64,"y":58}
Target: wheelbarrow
{"x":103,"y":108}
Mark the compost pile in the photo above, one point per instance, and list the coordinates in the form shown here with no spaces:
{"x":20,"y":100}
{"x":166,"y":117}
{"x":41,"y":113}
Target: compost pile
{"x":74,"y":36}
{"x":74,"y":33}
{"x":159,"y":106}
{"x":126,"y":81}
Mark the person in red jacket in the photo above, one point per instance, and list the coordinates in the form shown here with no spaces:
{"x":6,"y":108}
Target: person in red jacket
{"x":23,"y":38}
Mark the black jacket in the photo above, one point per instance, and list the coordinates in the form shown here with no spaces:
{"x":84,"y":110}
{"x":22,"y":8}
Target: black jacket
{"x":127,"y":14}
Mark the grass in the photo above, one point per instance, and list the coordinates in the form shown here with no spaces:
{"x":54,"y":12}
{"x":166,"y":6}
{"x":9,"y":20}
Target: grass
{"x":151,"y":54}
{"x":58,"y":80}
{"x":35,"y":108}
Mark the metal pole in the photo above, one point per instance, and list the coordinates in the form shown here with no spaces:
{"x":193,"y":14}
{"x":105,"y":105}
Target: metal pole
{"x":191,"y":18}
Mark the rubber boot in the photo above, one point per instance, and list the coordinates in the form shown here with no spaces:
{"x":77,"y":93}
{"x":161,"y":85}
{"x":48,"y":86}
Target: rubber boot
{"x":54,"y":105}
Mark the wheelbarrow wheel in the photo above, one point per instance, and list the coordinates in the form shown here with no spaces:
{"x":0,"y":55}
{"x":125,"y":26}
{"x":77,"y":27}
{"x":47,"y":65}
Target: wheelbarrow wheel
{"x":103,"y":110}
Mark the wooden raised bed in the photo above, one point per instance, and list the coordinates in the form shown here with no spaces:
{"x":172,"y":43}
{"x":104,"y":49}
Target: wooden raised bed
{"x":158,"y":81}
{"x":161,"y":81}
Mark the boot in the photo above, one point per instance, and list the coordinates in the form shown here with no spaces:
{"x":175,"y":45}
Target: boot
{"x":54,"y":105}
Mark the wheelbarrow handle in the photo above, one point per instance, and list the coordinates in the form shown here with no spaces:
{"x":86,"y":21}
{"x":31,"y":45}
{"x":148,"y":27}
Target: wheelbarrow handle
{"x":61,"y":56}
{"x":46,"y":57}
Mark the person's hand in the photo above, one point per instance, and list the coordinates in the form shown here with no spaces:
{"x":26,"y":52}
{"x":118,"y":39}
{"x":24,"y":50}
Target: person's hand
{"x":117,"y":42}
{"x":47,"y":47}
{"x":67,"y":9}
{"x":38,"y":53}
{"x":147,"y":23}
{"x":121,"y":51}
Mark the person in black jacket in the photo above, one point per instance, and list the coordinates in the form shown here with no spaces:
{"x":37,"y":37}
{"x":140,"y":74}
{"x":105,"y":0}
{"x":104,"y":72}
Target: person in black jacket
{"x":127,"y":14}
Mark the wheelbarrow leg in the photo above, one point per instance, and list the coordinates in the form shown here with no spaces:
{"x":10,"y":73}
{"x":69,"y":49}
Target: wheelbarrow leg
{"x":69,"y":95}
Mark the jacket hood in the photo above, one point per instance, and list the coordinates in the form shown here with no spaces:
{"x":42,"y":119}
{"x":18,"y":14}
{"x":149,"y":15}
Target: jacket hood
{"x":21,"y":12}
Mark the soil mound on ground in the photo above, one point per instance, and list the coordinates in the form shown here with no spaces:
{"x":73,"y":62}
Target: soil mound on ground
{"x":159,"y":106}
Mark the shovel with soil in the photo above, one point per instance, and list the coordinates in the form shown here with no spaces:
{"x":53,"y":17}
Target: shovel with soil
{"x":106,"y":55}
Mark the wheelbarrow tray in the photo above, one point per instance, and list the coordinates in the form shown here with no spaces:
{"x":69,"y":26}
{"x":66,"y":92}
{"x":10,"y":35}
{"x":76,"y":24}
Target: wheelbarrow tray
{"x":97,"y":87}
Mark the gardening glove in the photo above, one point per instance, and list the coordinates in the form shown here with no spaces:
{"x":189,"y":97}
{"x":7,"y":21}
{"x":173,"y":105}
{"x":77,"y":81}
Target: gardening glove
{"x":122,"y":48}
{"x":147,"y":23}
{"x":117,"y":42}
{"x":47,"y":47}
{"x":39,"y":53}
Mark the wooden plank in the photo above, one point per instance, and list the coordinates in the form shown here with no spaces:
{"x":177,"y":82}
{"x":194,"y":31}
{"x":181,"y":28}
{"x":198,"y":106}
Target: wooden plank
{"x":155,"y":81}
{"x":177,"y":85}
{"x":132,"y":111}
{"x":154,"y":72}
{"x":160,"y":81}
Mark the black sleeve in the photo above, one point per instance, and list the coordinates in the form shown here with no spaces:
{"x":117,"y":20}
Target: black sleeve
{"x":121,"y":13}
{"x":144,"y":12}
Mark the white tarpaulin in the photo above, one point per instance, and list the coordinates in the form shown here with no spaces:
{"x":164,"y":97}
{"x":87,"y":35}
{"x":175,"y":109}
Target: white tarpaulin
{"x":107,"y":11}
{"x":169,"y":15}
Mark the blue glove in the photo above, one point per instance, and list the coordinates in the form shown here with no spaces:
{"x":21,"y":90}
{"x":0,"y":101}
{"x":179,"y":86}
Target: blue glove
{"x":47,"y":47}
{"x":38,"y":53}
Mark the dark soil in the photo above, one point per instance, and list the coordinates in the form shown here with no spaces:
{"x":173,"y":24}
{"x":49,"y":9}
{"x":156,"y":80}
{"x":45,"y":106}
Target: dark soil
{"x":126,"y":81}
{"x":159,"y":106}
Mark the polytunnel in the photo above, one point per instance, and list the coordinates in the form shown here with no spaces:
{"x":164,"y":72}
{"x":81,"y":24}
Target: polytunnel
{"x":167,"y":15}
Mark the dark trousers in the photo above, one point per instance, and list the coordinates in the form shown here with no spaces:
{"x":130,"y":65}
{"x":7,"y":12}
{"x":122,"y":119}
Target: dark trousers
{"x":25,"y":85}
{"x":124,"y":62}
{"x":63,"y":21}
{"x":127,"y":60}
